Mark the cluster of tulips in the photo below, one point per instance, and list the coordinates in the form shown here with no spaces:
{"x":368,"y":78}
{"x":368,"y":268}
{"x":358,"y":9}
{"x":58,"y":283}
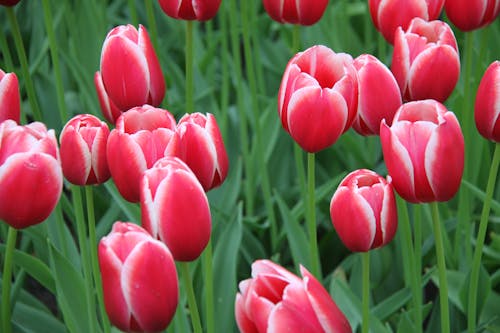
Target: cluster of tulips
{"x":168,"y":166}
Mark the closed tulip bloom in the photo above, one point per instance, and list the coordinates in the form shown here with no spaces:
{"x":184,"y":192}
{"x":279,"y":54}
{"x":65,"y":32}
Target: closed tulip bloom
{"x":303,"y":12}
{"x":130,"y":73}
{"x":10,"y":101}
{"x":140,"y":139}
{"x":275,"y":300}
{"x":175,"y":208}
{"x":139,"y":279}
{"x":424,"y":151}
{"x":469,"y":15}
{"x":30,"y":173}
{"x":200,"y":10}
{"x":487,"y":107}
{"x":363,"y":211}
{"x":83,"y":150}
{"x":388,"y":15}
{"x":378,"y":95}
{"x":425,"y":61}
{"x":317,"y":99}
{"x":199,"y":143}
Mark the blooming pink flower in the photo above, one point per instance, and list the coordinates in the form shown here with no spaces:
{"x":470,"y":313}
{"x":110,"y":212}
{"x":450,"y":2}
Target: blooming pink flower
{"x":10,"y":101}
{"x":468,"y":15}
{"x":139,"y":279}
{"x":200,"y":10}
{"x":303,"y":12}
{"x":487,"y":107}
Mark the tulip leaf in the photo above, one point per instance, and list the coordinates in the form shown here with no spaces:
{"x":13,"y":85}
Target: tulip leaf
{"x":132,"y":212}
{"x":480,"y":194}
{"x":483,"y":289}
{"x":37,"y":319}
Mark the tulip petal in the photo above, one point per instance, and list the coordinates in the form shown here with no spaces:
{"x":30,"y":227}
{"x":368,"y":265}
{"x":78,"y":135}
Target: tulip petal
{"x":75,"y":156}
{"x":245,"y":324}
{"x":157,"y":81}
{"x":390,"y":16}
{"x":10,"y":99}
{"x":487,"y":105}
{"x":109,"y":110}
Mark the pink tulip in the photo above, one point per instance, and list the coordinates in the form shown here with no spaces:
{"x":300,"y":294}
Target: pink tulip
{"x":30,"y":173}
{"x":175,"y":208}
{"x":275,"y":300}
{"x":317,"y":99}
{"x":303,"y":12}
{"x":200,"y":10}
{"x":388,"y":15}
{"x":83,"y":150}
{"x":199,"y":143}
{"x":425,"y":61}
{"x":10,"y":101}
{"x":469,"y":15}
{"x":424,"y":151}
{"x":139,"y":279}
{"x":140,"y":138}
{"x":130,"y":73}
{"x":487,"y":107}
{"x":379,"y":95}
{"x":363,"y":211}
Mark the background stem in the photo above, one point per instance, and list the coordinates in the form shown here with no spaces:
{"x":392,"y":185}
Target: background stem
{"x":365,"y":256}
{"x":7,"y":280}
{"x":193,"y":307}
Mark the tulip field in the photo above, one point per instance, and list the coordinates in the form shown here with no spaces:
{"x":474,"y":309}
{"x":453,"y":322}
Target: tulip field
{"x":226,"y":166}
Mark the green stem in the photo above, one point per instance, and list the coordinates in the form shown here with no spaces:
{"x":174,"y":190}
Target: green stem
{"x":133,"y":12}
{"x":63,"y":112}
{"x":61,"y":229}
{"x":189,"y":67}
{"x":224,"y":95}
{"x":153,"y":31}
{"x":407,"y":248}
{"x":441,"y":263}
{"x":7,"y":57}
{"x":84,"y":252}
{"x":18,"y":40}
{"x":208,"y":275}
{"x":311,"y":218}
{"x":365,"y":256}
{"x":417,"y":289}
{"x":483,"y":225}
{"x":89,"y":198}
{"x":193,"y":307}
{"x":295,"y":39}
{"x":6,"y":280}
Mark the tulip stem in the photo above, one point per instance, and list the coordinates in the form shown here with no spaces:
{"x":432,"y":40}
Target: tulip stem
{"x":441,"y":263}
{"x":21,"y":52}
{"x":311,"y":218}
{"x":6,"y":279}
{"x":208,"y":274}
{"x":193,"y":307}
{"x":295,"y":39}
{"x":89,"y":198}
{"x":483,"y":224}
{"x":7,"y":57}
{"x":417,"y":273}
{"x":153,"y":31}
{"x":189,"y":67}
{"x":365,"y":257}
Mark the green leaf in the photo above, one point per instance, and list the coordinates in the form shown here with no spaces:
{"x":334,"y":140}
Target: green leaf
{"x":38,"y":319}
{"x":483,"y":289}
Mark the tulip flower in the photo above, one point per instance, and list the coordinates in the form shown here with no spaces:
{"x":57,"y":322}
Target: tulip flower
{"x":139,"y":279}
{"x":30,"y":173}
{"x":140,"y":138}
{"x":130,"y":72}
{"x":10,"y":101}
{"x":303,"y":12}
{"x":425,"y":60}
{"x":424,"y":151}
{"x":363,"y":211}
{"x":9,"y":3}
{"x":198,"y":142}
{"x":83,"y":150}
{"x":487,"y":107}
{"x":317,"y":99}
{"x":388,"y":15}
{"x":275,"y":300}
{"x":469,"y":15}
{"x":379,"y":95}
{"x":200,"y":10}
{"x":175,"y":208}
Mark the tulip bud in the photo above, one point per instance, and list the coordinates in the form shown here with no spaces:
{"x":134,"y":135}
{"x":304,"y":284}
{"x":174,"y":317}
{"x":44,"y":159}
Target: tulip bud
{"x":425,"y":60}
{"x":424,"y":151}
{"x":303,"y":12}
{"x":363,"y":211}
{"x":83,"y":150}
{"x":130,"y":73}
{"x":198,"y":142}
{"x":487,"y":107}
{"x":317,"y":99}
{"x":469,"y":15}
{"x":200,"y":10}
{"x":140,"y":138}
{"x":275,"y":300}
{"x":139,"y":279}
{"x":388,"y":15}
{"x":379,"y":96}
{"x":10,"y":100}
{"x":30,"y":173}
{"x":175,"y":208}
